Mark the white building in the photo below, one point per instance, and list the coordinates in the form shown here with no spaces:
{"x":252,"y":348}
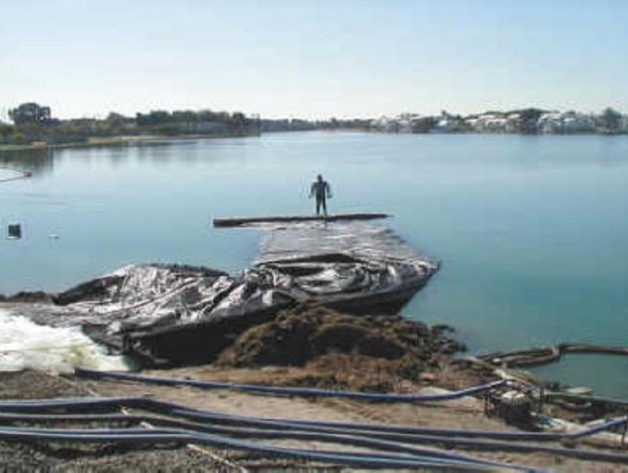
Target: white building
{"x":406,"y":122}
{"x":574,"y":122}
{"x":385,"y":124}
{"x":491,"y":123}
{"x":565,"y":122}
{"x":550,"y":123}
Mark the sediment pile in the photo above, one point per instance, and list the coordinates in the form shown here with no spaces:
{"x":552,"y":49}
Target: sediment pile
{"x":300,"y":336}
{"x":342,"y":351}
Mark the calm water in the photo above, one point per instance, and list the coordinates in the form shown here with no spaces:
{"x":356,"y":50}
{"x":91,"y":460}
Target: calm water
{"x":532,"y":231}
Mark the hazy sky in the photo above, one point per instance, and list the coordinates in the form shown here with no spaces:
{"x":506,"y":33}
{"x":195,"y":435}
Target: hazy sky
{"x":313,"y":58}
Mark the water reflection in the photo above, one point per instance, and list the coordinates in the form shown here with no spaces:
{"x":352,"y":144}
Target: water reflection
{"x":37,"y":161}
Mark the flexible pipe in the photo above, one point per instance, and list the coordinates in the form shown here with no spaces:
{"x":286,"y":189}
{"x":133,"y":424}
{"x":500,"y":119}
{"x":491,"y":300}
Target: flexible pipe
{"x":86,"y":372}
{"x":453,"y":441}
{"x":292,"y":391}
{"x":134,"y":436}
{"x":494,"y":434}
{"x":161,"y":406}
{"x":172,"y":408}
{"x":618,"y":403}
{"x":350,"y":439}
{"x":396,"y":432}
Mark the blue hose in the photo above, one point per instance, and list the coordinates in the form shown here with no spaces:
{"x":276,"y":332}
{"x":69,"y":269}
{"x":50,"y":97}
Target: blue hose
{"x":393,"y":432}
{"x":539,"y":436}
{"x":453,"y":440}
{"x":494,"y":434}
{"x":168,"y":408}
{"x":291,"y":391}
{"x":208,"y":416}
{"x":162,"y":406}
{"x":340,"y":438}
{"x":46,"y":405}
{"x":134,"y":436}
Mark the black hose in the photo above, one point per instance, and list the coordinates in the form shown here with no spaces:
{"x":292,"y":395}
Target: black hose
{"x":453,"y":441}
{"x":292,"y":391}
{"x":338,"y":438}
{"x":494,"y":434}
{"x":135,"y":436}
{"x":197,"y":414}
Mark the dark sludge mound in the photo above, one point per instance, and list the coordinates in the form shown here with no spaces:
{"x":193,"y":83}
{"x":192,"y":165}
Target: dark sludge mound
{"x":320,"y":347}
{"x":174,"y":314}
{"x":296,"y":337}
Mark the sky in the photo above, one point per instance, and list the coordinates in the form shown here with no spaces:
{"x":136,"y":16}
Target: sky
{"x":313,"y":58}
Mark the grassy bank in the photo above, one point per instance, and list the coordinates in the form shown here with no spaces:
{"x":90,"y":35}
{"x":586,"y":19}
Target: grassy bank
{"x":115,"y":141}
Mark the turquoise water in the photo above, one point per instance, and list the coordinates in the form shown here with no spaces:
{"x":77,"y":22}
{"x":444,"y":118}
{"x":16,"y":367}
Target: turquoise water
{"x":532,"y":231}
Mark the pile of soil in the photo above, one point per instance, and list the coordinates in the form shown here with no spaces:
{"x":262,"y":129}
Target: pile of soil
{"x":324,"y":339}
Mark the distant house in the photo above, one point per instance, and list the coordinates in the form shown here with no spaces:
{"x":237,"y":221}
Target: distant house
{"x":406,"y":122}
{"x":385,"y":124}
{"x":491,"y":123}
{"x":515,"y":123}
{"x":423,"y":124}
{"x":447,"y":123}
{"x":574,"y":122}
{"x":565,"y":122}
{"x":549,"y":124}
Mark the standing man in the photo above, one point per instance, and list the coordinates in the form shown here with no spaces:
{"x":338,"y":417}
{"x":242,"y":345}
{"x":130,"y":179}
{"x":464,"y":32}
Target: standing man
{"x":321,"y":190}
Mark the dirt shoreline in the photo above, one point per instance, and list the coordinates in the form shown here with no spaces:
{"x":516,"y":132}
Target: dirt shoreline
{"x":315,"y":347}
{"x":465,"y":413}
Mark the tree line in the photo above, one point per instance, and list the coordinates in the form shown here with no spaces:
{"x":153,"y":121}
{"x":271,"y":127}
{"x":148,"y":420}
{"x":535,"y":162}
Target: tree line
{"x":34,"y":123}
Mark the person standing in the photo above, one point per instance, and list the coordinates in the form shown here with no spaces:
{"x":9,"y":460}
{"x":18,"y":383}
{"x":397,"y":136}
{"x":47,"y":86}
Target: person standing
{"x":321,"y":190}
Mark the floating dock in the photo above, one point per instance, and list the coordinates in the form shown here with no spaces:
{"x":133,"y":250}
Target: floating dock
{"x":246,"y":221}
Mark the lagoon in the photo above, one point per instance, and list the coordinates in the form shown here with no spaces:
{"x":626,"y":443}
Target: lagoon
{"x":531,"y":230}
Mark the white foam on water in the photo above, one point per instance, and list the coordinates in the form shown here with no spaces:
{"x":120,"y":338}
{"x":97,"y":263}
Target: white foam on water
{"x":24,"y":344}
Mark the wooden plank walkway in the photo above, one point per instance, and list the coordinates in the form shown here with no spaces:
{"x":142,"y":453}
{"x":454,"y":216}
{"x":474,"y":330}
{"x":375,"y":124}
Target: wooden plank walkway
{"x":244,"y":221}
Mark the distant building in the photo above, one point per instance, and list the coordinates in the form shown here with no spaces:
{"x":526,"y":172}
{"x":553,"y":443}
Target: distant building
{"x":385,"y":124}
{"x":493,"y":123}
{"x":565,"y":122}
{"x":525,"y":121}
{"x":448,"y":123}
{"x":406,"y":122}
{"x":549,"y":124}
{"x":574,"y":122}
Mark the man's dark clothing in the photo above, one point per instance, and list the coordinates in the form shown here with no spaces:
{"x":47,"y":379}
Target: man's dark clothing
{"x":321,"y":190}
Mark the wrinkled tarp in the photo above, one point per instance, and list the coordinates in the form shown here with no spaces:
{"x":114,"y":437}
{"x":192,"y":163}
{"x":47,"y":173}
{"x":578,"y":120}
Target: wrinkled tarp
{"x":354,"y":267}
